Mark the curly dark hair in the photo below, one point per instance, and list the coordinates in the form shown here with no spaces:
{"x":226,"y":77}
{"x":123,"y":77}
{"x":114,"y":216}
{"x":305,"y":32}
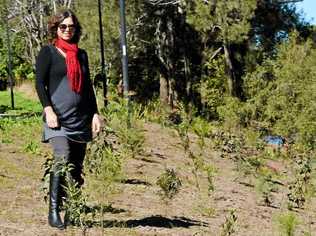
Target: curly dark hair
{"x":57,"y":19}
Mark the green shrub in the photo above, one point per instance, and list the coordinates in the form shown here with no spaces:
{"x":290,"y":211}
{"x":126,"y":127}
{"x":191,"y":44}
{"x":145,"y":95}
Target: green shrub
{"x":287,"y":223}
{"x":103,"y":161}
{"x":228,"y":227}
{"x":213,"y":87}
{"x":233,"y":113}
{"x":169,"y":183}
{"x":282,"y":93}
{"x":126,"y":125}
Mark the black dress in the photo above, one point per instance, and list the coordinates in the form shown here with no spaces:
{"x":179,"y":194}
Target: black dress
{"x":74,"y":111}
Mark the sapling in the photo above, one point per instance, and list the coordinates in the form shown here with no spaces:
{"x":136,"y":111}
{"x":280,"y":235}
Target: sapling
{"x":228,"y":227}
{"x":300,"y":187}
{"x":210,"y":171}
{"x":130,"y":137}
{"x":105,"y":165}
{"x":287,"y":223}
{"x":183,"y":132}
{"x":74,"y":201}
{"x":75,"y":204}
{"x":47,"y":165}
{"x":265,"y":187}
{"x":169,"y":184}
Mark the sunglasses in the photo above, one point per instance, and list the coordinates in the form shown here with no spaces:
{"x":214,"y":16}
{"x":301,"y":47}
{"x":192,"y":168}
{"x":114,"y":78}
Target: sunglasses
{"x":63,"y":27}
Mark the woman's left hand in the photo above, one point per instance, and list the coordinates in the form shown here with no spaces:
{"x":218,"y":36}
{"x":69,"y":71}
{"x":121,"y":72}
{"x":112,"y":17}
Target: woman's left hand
{"x":96,"y":124}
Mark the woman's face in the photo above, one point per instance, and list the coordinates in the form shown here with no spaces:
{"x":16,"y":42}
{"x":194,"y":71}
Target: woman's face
{"x":66,"y":29}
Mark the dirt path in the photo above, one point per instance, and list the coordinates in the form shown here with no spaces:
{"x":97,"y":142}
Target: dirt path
{"x":140,"y":211}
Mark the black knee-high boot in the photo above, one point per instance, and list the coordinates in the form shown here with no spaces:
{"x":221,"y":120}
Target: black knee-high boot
{"x":55,"y":190}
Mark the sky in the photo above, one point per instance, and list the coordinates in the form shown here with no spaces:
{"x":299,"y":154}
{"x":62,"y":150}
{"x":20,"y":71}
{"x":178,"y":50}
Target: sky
{"x":309,"y":9}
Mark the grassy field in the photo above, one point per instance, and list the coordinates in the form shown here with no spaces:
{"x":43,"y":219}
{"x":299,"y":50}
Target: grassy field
{"x":22,"y":104}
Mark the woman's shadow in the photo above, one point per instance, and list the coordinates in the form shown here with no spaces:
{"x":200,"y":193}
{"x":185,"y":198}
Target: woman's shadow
{"x":151,"y":221}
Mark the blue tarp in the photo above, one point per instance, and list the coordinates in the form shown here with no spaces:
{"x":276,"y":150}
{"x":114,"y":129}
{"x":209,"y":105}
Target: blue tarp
{"x":274,"y":140}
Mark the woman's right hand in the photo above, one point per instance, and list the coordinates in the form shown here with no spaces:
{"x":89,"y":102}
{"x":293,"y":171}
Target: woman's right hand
{"x":51,"y":118}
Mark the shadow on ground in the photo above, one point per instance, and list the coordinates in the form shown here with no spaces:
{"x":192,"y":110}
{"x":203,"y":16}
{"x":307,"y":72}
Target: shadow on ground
{"x":19,"y":115}
{"x":136,"y":182}
{"x":151,"y":221}
{"x":4,"y":108}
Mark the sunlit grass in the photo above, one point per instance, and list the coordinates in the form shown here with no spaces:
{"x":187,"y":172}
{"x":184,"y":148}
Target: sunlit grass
{"x":21,"y":125}
{"x":22,"y":104}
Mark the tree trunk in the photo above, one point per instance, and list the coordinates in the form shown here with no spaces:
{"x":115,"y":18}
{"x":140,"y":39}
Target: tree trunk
{"x":187,"y":75}
{"x":172,"y":93}
{"x":164,"y":90}
{"x":230,"y":70}
{"x":171,"y":61}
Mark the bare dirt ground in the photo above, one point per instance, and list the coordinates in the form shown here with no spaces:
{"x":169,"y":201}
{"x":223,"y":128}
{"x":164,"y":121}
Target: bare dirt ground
{"x":139,"y":208}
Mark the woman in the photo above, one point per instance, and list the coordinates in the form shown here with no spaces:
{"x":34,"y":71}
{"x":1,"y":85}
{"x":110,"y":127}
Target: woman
{"x":70,"y":111}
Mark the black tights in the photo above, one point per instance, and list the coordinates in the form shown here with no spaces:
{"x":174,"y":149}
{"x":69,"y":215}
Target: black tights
{"x":73,"y":152}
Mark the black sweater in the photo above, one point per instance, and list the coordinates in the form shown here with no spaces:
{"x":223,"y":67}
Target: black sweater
{"x":73,"y":110}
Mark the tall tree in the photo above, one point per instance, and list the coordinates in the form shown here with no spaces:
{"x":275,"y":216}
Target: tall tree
{"x":29,"y":18}
{"x":272,"y":23}
{"x":227,"y":22}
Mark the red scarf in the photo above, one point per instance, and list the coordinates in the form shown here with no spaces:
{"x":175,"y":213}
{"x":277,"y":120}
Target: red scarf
{"x":74,"y":72}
